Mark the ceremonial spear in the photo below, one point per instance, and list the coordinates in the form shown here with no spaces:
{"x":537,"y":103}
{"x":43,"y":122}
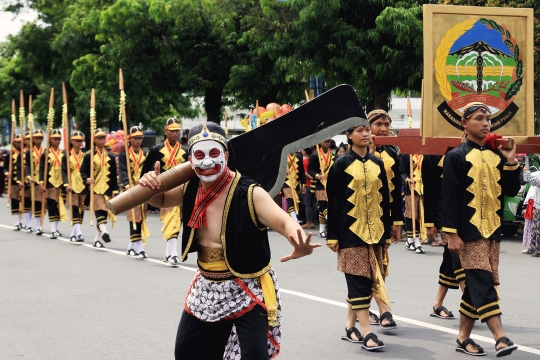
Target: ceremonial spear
{"x":411,"y":170}
{"x":65,"y":125}
{"x":31,"y":129}
{"x":13,"y":125}
{"x":21,"y":119}
{"x":123,"y":118}
{"x":92,"y":130}
{"x":50,"y":122}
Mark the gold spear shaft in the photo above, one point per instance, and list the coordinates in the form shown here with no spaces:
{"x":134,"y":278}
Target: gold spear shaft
{"x":65,"y":125}
{"x":50,"y":119}
{"x":411,"y":171}
{"x":92,"y":129}
{"x":23,"y":178}
{"x":13,"y":125}
{"x":32,"y":166}
{"x":124,"y":123}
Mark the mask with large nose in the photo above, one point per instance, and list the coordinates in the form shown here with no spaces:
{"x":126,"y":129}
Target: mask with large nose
{"x":208,"y":160}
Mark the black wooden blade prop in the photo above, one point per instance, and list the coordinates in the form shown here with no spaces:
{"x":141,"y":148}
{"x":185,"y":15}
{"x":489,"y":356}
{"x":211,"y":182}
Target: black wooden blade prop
{"x":261,"y":153}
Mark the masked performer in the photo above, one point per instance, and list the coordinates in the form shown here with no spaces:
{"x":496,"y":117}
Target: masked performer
{"x":359,"y":230}
{"x":294,"y":183}
{"x":169,"y":154}
{"x":105,"y":184}
{"x":137,"y":156}
{"x":34,"y":155}
{"x":380,"y":122}
{"x":78,"y":188}
{"x":15,"y":191}
{"x":226,"y":219}
{"x":476,"y":177}
{"x":52,"y":182}
{"x":319,"y":164}
{"x":413,"y":240}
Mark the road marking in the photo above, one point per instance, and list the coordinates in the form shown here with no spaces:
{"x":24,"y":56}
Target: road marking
{"x":309,"y":297}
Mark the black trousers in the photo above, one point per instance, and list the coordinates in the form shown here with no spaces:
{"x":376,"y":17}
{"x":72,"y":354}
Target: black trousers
{"x":197,"y":339}
{"x":479,"y":299}
{"x":450,"y":269}
{"x":135,"y":234}
{"x":52,"y":208}
{"x":77,"y":215}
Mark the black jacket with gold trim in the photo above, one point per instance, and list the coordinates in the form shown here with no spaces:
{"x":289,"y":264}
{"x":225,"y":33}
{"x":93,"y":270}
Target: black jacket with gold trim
{"x":405,"y":170}
{"x":358,"y":202}
{"x":56,"y":177}
{"x":390,"y":157}
{"x":244,"y":239}
{"x":136,"y":171}
{"x":15,"y":158}
{"x":314,"y":168}
{"x":475,"y":181}
{"x":106,"y":181}
{"x":295,"y":171}
{"x":161,"y":153}
{"x":432,"y":169}
{"x":36,"y":157}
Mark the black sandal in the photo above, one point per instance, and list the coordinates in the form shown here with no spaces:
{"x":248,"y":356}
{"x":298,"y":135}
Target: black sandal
{"x":349,"y":338}
{"x":392,"y":324}
{"x":377,"y":320}
{"x":507,"y":350}
{"x":372,"y":336}
{"x":437,"y":313}
{"x":462,"y":347}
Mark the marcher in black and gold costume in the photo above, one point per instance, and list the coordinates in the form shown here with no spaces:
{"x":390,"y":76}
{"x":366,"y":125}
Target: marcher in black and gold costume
{"x":380,"y":122}
{"x":320,"y":162}
{"x":475,"y":180}
{"x":78,"y":185}
{"x":53,"y":182}
{"x":413,"y":240}
{"x":169,"y":154}
{"x":33,"y":180}
{"x":137,"y":156}
{"x":224,"y":224}
{"x":359,"y":229}
{"x":15,"y":190}
{"x":105,"y":184}
{"x":294,"y":185}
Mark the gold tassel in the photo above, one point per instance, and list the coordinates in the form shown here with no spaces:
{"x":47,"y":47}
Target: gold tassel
{"x":270,"y":300}
{"x":379,"y":287}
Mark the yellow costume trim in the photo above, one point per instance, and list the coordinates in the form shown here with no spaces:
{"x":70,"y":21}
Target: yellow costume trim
{"x":388,"y":163}
{"x":491,"y":313}
{"x":171,"y":223}
{"x":449,"y":230}
{"x":252,"y":207}
{"x":145,"y":232}
{"x":429,"y":225}
{"x":379,"y":287}
{"x":511,"y":167}
{"x":360,"y":307}
{"x":360,"y":298}
{"x":488,"y":305}
{"x":330,"y":242}
{"x":111,"y":215}
{"x":398,"y":223}
{"x":447,"y":282}
{"x":62,"y":209}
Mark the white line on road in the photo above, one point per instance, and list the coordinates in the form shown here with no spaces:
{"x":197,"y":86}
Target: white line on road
{"x":314,"y":298}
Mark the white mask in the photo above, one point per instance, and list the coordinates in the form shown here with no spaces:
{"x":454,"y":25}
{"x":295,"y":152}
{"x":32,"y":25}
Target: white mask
{"x":208,"y":160}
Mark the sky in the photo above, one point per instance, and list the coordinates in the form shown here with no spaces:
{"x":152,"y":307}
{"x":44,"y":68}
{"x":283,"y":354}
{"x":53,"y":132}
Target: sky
{"x":11,"y":26}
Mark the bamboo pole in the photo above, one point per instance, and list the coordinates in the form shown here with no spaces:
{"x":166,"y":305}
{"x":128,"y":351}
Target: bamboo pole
{"x":50,"y":122}
{"x":13,"y":125}
{"x":92,"y":130}
{"x":23,"y":178}
{"x":411,"y":171}
{"x":65,"y":125}
{"x":124,"y":123}
{"x":32,"y":165}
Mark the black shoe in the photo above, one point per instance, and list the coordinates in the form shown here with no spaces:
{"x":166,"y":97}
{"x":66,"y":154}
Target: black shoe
{"x":166,"y":259}
{"x":29,"y":229}
{"x":54,"y":235}
{"x":59,"y":233}
{"x":131,"y":252}
{"x":142,"y":255}
{"x":73,"y":238}
{"x":98,"y":244}
{"x":105,"y":237}
{"x":39,"y":232}
{"x":17,"y":227}
{"x":174,"y":261}
{"x":80,"y":238}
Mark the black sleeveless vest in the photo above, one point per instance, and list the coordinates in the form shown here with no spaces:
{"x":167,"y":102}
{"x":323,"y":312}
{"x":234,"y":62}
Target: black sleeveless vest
{"x":244,"y":240}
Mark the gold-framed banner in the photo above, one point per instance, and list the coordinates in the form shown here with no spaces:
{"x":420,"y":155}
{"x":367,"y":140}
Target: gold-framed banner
{"x":478,"y":54}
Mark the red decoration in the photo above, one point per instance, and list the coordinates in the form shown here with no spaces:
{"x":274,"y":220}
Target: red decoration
{"x":489,"y":141}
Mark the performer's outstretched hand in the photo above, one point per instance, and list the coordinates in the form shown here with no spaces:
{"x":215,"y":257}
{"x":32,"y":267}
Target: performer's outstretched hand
{"x":301,"y":247}
{"x":150,"y":179}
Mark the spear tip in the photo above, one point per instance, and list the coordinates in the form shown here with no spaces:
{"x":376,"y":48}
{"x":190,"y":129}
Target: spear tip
{"x":30,"y":104}
{"x":121,"y":79}
{"x":93,"y":99}
{"x":51,"y":98}
{"x":21,"y":99}
{"x":13,"y":107}
{"x":64,"y":93}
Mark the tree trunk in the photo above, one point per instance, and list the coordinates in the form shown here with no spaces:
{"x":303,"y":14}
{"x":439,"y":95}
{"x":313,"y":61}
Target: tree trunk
{"x":379,"y":92}
{"x":213,"y":103}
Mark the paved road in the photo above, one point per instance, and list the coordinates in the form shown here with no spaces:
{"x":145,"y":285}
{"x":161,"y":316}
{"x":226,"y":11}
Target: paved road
{"x":66,"y":301}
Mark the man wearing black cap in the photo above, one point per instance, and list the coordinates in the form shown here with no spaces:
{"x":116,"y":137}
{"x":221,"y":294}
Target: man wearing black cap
{"x":137,"y":225}
{"x":53,"y":181}
{"x":226,"y":216}
{"x":105,"y":184}
{"x":34,"y":155}
{"x":78,"y":187}
{"x":476,"y":177}
{"x":320,"y":162}
{"x":169,"y":154}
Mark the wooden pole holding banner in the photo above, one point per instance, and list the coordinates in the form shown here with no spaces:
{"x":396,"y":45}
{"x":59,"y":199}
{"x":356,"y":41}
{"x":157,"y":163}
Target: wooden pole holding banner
{"x":123,"y":118}
{"x":411,"y":171}
{"x":92,"y":130}
{"x":50,"y":121}
{"x":13,"y":125}
{"x":65,"y":126}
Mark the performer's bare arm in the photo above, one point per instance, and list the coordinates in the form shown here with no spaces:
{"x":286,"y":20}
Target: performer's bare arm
{"x":271,"y":215}
{"x":167,"y":199}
